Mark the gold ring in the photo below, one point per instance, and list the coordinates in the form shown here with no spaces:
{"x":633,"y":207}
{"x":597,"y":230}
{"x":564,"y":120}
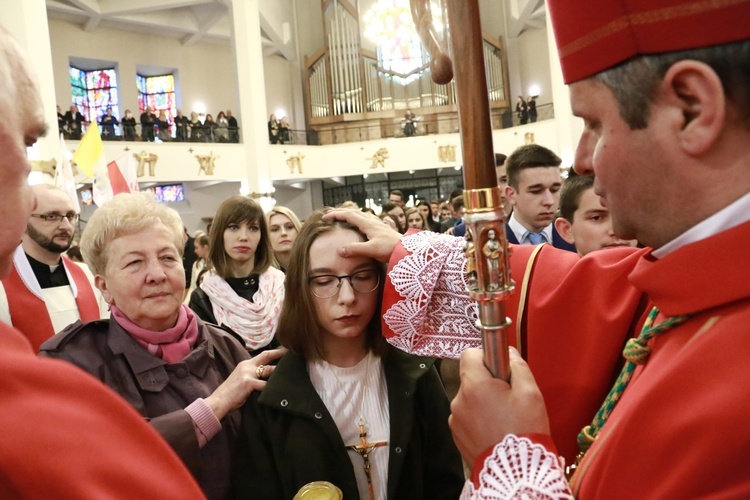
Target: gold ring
{"x":259,"y":370}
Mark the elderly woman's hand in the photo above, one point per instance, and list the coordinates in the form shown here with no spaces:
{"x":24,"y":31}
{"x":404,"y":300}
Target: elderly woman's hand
{"x":247,"y":376}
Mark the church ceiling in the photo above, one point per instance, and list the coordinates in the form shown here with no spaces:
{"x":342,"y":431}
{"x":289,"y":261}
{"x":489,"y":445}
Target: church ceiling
{"x":190,"y":21}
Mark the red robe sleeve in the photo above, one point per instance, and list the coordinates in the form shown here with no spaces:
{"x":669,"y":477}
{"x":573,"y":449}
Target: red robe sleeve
{"x":65,"y":435}
{"x":574,"y":350}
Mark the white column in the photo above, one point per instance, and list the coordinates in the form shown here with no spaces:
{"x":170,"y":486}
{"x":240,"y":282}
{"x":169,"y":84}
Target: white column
{"x":569,"y":127}
{"x":26,"y":21}
{"x":248,"y":54}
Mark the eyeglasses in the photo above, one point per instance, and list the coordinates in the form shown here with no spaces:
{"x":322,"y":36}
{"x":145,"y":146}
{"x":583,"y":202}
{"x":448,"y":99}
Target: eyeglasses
{"x":57,"y":218}
{"x":326,"y":286}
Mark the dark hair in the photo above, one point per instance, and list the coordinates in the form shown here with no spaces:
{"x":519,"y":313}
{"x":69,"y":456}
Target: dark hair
{"x":397,"y":193}
{"x":457,"y":203}
{"x":74,"y":253}
{"x":500,"y":159}
{"x":388,"y":206}
{"x":236,"y":210}
{"x":298,"y":329}
{"x":635,"y":83}
{"x":570,"y":194}
{"x":529,"y":156}
{"x":454,"y":193}
{"x":201,"y":273}
{"x":386,"y":215}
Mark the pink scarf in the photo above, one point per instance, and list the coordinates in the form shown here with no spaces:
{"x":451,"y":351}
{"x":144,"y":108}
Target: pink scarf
{"x":254,"y":321}
{"x":172,"y":344}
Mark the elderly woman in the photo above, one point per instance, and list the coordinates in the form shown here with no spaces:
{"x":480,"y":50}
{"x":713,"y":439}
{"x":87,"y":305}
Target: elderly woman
{"x":283,"y":226}
{"x":184,"y":376}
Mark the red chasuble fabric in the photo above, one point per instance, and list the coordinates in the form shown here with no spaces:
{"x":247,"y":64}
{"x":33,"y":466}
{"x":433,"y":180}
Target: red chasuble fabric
{"x":577,"y":315}
{"x":65,"y":435}
{"x":681,"y":428}
{"x":29,"y":312}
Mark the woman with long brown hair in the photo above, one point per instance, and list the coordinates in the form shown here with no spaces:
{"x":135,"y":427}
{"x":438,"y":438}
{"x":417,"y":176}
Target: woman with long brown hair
{"x":241,"y":290}
{"x":343,"y":406}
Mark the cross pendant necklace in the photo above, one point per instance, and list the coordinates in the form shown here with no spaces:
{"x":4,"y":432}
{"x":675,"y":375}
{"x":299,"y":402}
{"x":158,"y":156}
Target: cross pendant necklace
{"x":364,"y":449}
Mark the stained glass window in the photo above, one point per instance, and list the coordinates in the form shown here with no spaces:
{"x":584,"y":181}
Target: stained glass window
{"x":157,"y":92}
{"x":389,"y":24}
{"x":94,"y":92}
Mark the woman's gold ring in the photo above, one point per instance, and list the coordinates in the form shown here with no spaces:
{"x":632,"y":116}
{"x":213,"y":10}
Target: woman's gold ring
{"x":259,"y":370}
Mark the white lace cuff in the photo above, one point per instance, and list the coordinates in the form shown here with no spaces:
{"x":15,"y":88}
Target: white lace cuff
{"x":434,"y":315}
{"x":519,"y":468}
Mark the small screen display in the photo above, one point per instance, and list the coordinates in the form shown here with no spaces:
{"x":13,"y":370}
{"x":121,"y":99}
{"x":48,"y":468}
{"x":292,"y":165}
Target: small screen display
{"x":87,"y":197}
{"x":168,"y":193}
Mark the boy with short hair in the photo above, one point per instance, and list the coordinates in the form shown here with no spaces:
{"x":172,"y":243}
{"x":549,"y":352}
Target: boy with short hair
{"x":584,"y":221}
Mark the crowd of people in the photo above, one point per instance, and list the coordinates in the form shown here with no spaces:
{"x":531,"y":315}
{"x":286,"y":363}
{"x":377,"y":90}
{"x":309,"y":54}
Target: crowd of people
{"x":121,"y":316}
{"x":148,"y":304}
{"x":540,"y":205}
{"x":150,"y":126}
{"x":279,"y":374}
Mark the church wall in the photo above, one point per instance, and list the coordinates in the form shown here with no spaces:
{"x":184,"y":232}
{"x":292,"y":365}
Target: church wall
{"x":299,"y":201}
{"x":491,"y":13}
{"x":205,"y":71}
{"x":309,"y":26}
{"x":280,"y":89}
{"x":534,"y":53}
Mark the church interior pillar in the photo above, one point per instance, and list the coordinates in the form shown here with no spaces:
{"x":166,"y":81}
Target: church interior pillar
{"x":26,"y":21}
{"x":248,"y":56}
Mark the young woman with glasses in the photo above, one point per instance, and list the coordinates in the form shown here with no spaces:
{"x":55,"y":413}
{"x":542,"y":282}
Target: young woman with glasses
{"x":342,"y":405}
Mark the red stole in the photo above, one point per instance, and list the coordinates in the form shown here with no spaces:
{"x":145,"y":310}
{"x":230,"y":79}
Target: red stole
{"x":28,"y":312}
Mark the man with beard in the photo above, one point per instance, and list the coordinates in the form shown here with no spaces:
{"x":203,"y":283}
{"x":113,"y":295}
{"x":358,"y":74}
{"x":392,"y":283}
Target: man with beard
{"x":45,"y":292}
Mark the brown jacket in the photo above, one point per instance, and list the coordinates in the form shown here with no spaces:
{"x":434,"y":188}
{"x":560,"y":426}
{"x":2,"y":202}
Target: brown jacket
{"x":160,"y":391}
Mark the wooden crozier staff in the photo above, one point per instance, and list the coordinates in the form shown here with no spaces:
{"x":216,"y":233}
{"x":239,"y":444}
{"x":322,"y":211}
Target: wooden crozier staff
{"x":488,"y":273}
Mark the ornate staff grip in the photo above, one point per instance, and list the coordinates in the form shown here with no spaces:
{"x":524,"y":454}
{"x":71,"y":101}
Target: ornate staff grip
{"x":441,"y":67}
{"x":487,"y":268}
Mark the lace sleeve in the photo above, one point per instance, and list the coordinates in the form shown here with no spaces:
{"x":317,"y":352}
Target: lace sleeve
{"x":519,"y":468}
{"x":433,"y":315}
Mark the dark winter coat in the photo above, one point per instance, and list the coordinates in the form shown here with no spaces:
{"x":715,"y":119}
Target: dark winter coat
{"x":289,"y":438}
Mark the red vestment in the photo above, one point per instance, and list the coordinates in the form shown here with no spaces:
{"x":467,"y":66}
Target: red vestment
{"x":680,"y":429}
{"x":574,"y":350}
{"x":28,"y":311}
{"x":65,"y":435}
